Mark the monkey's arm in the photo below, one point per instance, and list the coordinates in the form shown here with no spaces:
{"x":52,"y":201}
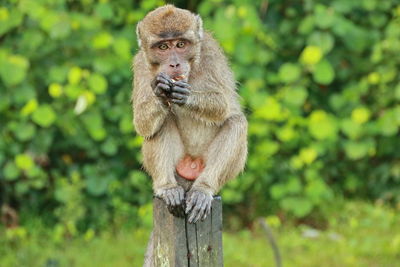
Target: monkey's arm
{"x":207,"y":104}
{"x":149,"y":110}
{"x":149,"y":115}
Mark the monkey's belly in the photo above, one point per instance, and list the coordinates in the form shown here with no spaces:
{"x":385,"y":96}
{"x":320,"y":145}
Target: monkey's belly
{"x":190,"y":168}
{"x":196,"y":136}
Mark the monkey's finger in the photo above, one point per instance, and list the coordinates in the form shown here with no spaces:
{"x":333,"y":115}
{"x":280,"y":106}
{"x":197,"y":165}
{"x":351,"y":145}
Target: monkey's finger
{"x":197,"y":211}
{"x":170,"y":198}
{"x":208,"y":210}
{"x":177,"y":199}
{"x":177,"y":96}
{"x":191,"y":202}
{"x":163,"y":81}
{"x":192,"y":216}
{"x":158,"y":92}
{"x":163,"y":87}
{"x":182,"y":84}
{"x":166,"y":199}
{"x":180,"y":90}
{"x":175,"y":194}
{"x":163,"y":75}
{"x":202,"y":210}
{"x":181,"y":194}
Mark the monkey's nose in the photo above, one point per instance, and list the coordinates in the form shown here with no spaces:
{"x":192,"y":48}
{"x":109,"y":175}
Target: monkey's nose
{"x":174,"y":65}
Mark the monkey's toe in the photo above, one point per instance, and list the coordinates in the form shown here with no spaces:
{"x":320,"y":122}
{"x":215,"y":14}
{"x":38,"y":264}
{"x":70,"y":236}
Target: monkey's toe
{"x":199,"y":205}
{"x":173,"y":196}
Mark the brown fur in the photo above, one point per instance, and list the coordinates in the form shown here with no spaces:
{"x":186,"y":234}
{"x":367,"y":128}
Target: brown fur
{"x":210,"y":125}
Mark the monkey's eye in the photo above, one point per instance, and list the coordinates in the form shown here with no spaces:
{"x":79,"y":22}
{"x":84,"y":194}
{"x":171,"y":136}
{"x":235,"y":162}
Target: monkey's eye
{"x":163,"y":46}
{"x":180,"y":44}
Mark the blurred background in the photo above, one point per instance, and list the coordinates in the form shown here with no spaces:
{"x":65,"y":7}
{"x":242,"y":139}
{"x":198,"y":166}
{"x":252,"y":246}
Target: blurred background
{"x":320,"y":86}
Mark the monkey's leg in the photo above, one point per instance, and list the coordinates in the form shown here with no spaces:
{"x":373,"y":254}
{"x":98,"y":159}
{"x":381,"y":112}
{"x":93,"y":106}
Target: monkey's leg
{"x":224,"y":159}
{"x":160,"y":156}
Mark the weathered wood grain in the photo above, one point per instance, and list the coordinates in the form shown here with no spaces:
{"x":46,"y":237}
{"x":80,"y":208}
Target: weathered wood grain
{"x":178,"y":243}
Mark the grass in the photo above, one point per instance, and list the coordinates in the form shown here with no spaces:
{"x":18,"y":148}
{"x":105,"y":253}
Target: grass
{"x":361,"y":234}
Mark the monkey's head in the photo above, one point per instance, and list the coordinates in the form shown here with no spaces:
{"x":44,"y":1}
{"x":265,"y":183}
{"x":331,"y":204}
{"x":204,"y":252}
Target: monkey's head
{"x":171,"y":39}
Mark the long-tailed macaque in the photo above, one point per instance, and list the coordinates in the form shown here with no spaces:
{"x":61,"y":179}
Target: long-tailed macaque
{"x":186,"y":107}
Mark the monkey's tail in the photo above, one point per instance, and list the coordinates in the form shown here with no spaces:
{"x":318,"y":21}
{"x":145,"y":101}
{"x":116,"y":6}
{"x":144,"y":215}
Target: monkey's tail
{"x":272,"y":241}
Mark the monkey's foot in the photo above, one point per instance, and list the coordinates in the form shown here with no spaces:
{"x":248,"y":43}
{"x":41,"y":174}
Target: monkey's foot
{"x":174,"y":197}
{"x":198,"y":204}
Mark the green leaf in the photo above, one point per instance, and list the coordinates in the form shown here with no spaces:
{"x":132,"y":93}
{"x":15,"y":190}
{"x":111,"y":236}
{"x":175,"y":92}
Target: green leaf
{"x":96,"y":185}
{"x":125,"y":124}
{"x":352,"y":129}
{"x":11,"y":171}
{"x":322,"y":126}
{"x":109,"y":147}
{"x":137,"y":178}
{"x":44,"y":115}
{"x":324,"y":16}
{"x":299,"y":206}
{"x":311,"y":55}
{"x":324,"y":40}
{"x":9,"y":19}
{"x":104,"y":10}
{"x":24,"y":162}
{"x":102,"y":40}
{"x":360,"y":115}
{"x":93,"y":122}
{"x":357,"y":150}
{"x":323,"y":72}
{"x":25,"y":131}
{"x":317,"y":190}
{"x":122,"y":48}
{"x":295,"y":95}
{"x":13,"y":69}
{"x":97,"y":83}
{"x":289,"y":72}
{"x":387,"y":123}
{"x":75,"y":75}
{"x":271,"y":110}
{"x":308,"y":155}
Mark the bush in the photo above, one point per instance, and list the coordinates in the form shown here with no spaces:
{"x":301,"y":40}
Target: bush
{"x":318,"y":79}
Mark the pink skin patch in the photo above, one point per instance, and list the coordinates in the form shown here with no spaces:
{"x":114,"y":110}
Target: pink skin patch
{"x":190,"y":168}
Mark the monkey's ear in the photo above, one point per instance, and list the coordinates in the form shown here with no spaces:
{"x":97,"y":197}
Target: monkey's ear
{"x":139,"y":38}
{"x":199,"y":22}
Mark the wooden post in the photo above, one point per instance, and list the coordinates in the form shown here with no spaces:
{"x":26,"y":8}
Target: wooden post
{"x":178,"y":243}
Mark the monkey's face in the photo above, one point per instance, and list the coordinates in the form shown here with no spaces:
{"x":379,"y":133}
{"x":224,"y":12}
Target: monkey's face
{"x":172,"y":56}
{"x":171,"y":39}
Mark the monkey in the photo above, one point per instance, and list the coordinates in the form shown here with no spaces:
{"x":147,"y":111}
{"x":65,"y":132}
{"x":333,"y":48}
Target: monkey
{"x":186,"y":106}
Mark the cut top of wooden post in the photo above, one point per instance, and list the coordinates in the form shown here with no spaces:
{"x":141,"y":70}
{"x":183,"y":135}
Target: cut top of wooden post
{"x":178,"y":243}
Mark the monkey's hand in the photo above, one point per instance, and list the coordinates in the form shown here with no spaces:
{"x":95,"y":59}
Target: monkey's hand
{"x":174,"y":198}
{"x":198,"y":203}
{"x":161,"y":86}
{"x":180,"y":92}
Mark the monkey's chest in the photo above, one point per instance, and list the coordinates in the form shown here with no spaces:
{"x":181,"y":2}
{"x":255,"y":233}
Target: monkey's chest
{"x":196,"y":135}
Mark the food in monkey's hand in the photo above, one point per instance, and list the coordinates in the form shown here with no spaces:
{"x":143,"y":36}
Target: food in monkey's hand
{"x":178,"y":78}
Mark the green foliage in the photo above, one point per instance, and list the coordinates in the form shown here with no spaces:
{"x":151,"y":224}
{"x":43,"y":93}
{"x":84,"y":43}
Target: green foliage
{"x":319,"y":83}
{"x":318,"y":80}
{"x":67,"y":146}
{"x":360,"y":234}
